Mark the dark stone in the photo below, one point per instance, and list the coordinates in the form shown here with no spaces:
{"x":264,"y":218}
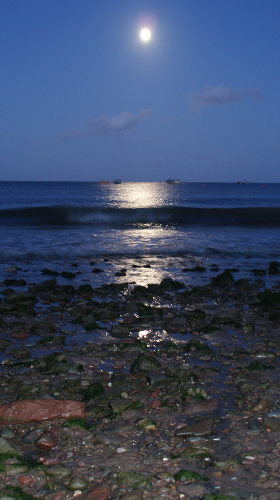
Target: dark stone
{"x":223,"y":279}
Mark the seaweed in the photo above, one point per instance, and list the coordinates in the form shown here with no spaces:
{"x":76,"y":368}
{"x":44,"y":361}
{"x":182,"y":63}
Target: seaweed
{"x":185,"y":475}
{"x":92,"y":391}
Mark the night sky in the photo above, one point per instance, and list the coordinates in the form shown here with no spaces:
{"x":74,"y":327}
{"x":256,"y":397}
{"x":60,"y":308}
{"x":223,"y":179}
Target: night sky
{"x":84,"y":98}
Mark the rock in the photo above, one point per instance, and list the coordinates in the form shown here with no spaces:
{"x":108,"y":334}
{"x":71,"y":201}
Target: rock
{"x":7,"y":434}
{"x":131,"y":479}
{"x":272,"y":423}
{"x":77,"y":483}
{"x":119,"y":406}
{"x":185,"y":475}
{"x":58,"y":471}
{"x":254,"y":423}
{"x":147,"y":424}
{"x":274,"y":267}
{"x":120,"y":331}
{"x":193,"y":490}
{"x":202,"y":428}
{"x":205,"y":406}
{"x":46,"y":441}
{"x":146,"y":362}
{"x":100,"y":491}
{"x":271,"y":414}
{"x":14,"y":469}
{"x":37,"y":410}
{"x":107,"y":439}
{"x":223,"y":279}
{"x":6,"y":447}
{"x":135,"y":494}
{"x":260,"y":405}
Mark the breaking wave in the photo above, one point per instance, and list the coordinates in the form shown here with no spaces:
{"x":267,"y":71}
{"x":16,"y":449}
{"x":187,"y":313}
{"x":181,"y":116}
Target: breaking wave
{"x":180,"y":216}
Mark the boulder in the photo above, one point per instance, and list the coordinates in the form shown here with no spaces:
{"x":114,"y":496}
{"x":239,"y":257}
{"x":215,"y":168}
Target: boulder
{"x":36,"y":410}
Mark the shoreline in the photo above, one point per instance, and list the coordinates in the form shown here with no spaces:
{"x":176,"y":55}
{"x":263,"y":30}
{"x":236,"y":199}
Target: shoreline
{"x":171,"y":379}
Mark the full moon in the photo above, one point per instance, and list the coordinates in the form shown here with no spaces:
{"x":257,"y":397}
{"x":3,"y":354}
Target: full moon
{"x":145,"y":34}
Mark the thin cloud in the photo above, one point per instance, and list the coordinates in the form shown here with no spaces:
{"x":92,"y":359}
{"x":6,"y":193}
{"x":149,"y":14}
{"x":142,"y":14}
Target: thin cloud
{"x":106,"y":125}
{"x":220,"y":96}
{"x":119,"y":123}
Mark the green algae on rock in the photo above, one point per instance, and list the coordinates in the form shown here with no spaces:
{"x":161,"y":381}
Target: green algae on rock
{"x":92,"y":391}
{"x":185,"y":475}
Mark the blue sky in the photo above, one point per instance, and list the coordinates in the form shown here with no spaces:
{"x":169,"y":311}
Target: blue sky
{"x":83,"y":98}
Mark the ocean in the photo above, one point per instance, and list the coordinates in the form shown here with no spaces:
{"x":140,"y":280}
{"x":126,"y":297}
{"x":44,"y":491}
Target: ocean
{"x":141,"y":231}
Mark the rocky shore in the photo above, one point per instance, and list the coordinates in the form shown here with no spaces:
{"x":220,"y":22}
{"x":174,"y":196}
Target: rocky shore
{"x":140,"y":392}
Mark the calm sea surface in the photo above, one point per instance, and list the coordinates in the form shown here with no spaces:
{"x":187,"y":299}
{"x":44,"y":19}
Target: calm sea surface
{"x":152,"y":230}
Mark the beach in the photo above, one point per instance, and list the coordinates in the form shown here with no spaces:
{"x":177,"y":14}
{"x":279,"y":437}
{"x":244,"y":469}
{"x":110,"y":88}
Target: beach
{"x":167,"y":390}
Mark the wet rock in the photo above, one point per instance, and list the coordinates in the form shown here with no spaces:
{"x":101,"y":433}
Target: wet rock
{"x":132,"y":479}
{"x":58,"y":471}
{"x":6,"y":447}
{"x":274,"y":267}
{"x":192,"y":453}
{"x":158,"y":379}
{"x":119,"y":406}
{"x":274,"y":414}
{"x":46,"y":441}
{"x":193,"y":490}
{"x":206,"y":406}
{"x":146,"y":424}
{"x":37,"y":410}
{"x":185,"y":475}
{"x":107,"y":439}
{"x":201,"y":428}
{"x":223,"y":279}
{"x":183,"y":373}
{"x":146,"y":362}
{"x":92,"y":391}
{"x":228,"y":462}
{"x":254,"y":423}
{"x":260,"y":405}
{"x":100,"y":491}
{"x":77,"y":483}
{"x":120,"y":331}
{"x":272,"y":423}
{"x":135,"y":494}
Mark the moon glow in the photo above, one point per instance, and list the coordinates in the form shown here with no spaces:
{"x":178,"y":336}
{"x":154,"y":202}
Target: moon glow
{"x":145,"y":34}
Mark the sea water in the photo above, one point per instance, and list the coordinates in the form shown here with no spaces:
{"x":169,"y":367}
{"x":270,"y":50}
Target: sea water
{"x":152,"y":230}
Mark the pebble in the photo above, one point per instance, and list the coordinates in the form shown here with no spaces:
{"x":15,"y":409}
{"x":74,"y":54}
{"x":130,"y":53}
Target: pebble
{"x":260,"y":405}
{"x":273,"y":414}
{"x":202,"y":428}
{"x":77,"y":483}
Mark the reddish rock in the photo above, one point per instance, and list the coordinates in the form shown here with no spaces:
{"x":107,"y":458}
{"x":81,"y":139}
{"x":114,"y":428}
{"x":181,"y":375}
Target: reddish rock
{"x":46,"y":441}
{"x":36,"y":410}
{"x":20,"y":335}
{"x":205,"y":406}
{"x":100,"y":491}
{"x":154,"y":404}
{"x":58,"y":496}
{"x":156,"y":392}
{"x":26,"y":479}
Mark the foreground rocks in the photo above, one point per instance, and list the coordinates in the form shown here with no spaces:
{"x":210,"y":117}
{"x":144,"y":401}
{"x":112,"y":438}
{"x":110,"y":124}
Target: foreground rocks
{"x":134,"y":393}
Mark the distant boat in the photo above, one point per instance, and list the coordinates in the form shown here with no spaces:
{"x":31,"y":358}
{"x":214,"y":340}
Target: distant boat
{"x":172,"y":181}
{"x":117,"y":181}
{"x":103,"y":182}
{"x":243,"y":182}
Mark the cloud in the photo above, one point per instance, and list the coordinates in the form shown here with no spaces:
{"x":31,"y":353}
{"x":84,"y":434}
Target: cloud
{"x":119,"y":123}
{"x":219,"y":96}
{"x":106,"y":125}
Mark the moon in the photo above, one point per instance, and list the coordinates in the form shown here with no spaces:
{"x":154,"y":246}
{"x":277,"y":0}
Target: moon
{"x":145,"y":34}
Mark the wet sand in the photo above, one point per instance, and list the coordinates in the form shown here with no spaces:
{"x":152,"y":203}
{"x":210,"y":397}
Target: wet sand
{"x":179,"y":389}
